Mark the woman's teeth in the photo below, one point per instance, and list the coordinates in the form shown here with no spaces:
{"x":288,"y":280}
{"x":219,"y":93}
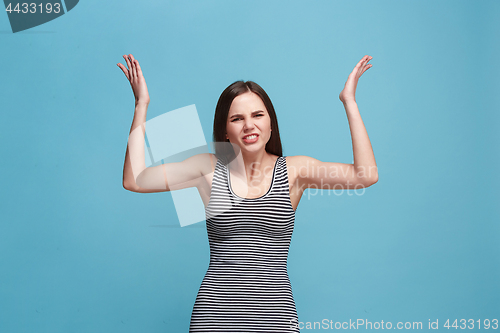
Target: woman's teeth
{"x":250,"y":137}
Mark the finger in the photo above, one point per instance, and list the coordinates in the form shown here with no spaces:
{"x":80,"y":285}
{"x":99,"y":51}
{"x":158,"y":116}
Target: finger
{"x":363,"y":63}
{"x":367,"y":67}
{"x":359,"y":66}
{"x":129,"y":65}
{"x":134,"y":69}
{"x":139,"y":70}
{"x":365,"y":60}
{"x":124,"y":70}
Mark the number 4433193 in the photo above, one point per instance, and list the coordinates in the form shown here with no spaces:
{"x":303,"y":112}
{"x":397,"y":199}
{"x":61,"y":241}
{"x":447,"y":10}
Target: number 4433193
{"x":33,"y":8}
{"x":469,"y":324}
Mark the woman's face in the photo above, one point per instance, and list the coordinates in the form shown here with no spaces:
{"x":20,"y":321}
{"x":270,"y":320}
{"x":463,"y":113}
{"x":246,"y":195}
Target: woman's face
{"x":248,"y":115}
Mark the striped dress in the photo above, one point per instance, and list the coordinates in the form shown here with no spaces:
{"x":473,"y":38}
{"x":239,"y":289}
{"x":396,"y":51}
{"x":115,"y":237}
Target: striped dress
{"x":246,"y":287}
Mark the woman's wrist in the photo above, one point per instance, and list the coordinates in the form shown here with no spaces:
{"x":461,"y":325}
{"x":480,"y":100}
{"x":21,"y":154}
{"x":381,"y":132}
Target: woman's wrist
{"x":349,"y":101}
{"x":141,"y":107}
{"x":142,"y":102}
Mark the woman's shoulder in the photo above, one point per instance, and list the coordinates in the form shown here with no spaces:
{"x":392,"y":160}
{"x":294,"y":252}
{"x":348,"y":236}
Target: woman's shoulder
{"x":298,"y":166}
{"x":205,"y":162}
{"x":213,"y":157}
{"x":205,"y":157}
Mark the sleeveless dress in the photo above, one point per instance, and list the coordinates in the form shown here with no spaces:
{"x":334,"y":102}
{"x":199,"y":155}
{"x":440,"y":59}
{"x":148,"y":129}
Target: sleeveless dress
{"x":246,"y":287}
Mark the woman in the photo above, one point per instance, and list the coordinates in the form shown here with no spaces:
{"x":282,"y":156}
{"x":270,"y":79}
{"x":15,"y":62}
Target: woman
{"x":251,"y":192}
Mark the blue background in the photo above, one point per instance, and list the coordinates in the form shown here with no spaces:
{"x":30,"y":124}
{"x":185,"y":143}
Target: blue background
{"x":78,"y":253}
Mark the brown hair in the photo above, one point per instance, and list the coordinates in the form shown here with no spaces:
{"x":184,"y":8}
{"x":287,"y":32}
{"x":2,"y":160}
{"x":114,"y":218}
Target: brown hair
{"x":235,"y":89}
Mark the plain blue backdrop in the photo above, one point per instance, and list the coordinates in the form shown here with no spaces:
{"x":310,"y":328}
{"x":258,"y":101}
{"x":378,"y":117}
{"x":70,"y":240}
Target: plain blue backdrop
{"x":78,"y":253}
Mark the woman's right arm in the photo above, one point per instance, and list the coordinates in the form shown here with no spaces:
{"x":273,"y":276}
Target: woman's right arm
{"x":164,"y":177}
{"x":134,"y":156}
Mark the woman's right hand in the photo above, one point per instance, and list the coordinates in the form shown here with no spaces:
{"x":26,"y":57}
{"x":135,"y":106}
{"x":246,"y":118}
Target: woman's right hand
{"x":137,"y":81}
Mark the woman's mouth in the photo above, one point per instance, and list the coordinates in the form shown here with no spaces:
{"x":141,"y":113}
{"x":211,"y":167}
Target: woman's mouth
{"x":251,"y":138}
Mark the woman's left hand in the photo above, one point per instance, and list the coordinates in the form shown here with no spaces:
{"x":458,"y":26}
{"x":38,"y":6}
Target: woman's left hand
{"x":348,"y":93}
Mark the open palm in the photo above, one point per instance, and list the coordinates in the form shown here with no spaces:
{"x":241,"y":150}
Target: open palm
{"x":349,"y":92}
{"x":136,"y":78}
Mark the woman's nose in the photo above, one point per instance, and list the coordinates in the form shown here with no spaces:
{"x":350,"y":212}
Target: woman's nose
{"x":248,"y":123}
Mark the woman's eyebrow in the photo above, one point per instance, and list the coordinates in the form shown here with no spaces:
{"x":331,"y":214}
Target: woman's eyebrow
{"x":237,"y":115}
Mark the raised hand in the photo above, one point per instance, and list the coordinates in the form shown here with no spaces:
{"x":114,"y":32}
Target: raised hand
{"x":348,"y":93}
{"x":137,"y":81}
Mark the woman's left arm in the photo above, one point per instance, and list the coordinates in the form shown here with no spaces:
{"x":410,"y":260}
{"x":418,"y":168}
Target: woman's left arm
{"x":363,"y":171}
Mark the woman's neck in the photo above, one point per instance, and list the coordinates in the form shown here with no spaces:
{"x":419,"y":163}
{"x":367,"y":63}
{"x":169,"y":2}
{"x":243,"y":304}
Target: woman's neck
{"x":251,"y":165}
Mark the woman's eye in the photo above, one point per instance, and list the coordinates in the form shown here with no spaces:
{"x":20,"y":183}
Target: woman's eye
{"x":257,"y":115}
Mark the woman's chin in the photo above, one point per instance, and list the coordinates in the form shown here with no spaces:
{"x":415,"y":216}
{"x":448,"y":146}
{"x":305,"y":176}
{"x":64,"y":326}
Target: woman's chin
{"x":251,"y":147}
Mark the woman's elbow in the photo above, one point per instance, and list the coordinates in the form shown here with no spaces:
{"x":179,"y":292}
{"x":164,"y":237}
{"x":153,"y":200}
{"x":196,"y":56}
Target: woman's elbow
{"x":373,"y":181}
{"x":129,"y":187}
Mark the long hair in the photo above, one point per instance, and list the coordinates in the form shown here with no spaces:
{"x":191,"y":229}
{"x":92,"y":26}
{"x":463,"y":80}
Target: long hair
{"x":225,"y":151}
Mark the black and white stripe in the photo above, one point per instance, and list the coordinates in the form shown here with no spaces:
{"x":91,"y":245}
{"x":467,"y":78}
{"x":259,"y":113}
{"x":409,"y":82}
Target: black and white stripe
{"x":246,"y":287}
